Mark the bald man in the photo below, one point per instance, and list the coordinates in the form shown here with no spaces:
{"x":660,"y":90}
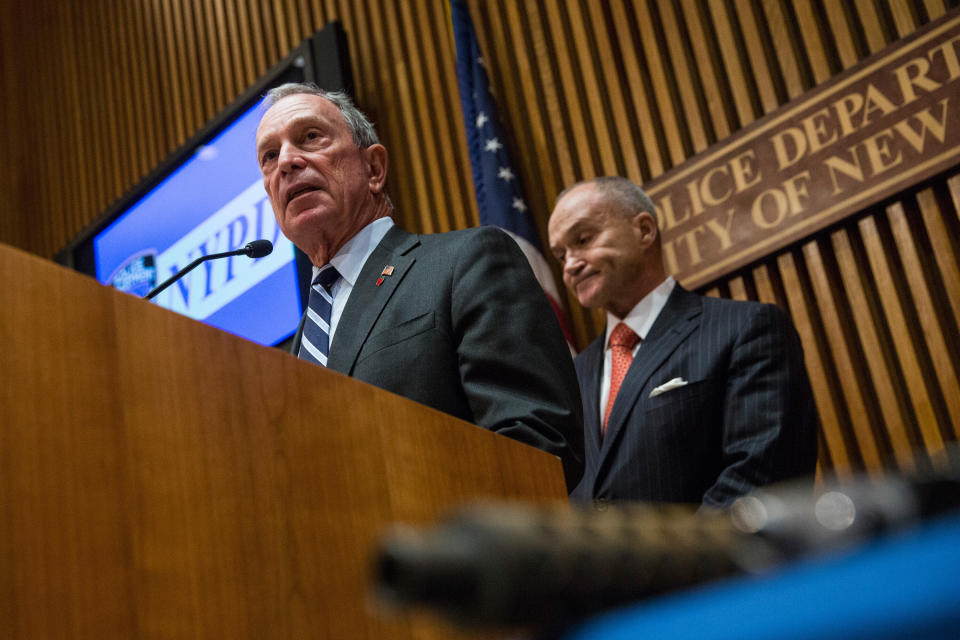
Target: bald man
{"x":686,"y":398}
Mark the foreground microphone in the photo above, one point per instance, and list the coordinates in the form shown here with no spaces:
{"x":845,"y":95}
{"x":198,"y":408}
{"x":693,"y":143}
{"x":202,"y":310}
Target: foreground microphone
{"x":541,"y":567}
{"x":255,"y":249}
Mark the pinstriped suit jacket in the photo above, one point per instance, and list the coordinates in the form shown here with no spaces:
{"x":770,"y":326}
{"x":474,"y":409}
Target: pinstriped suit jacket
{"x":462,"y":326}
{"x":746,"y":418}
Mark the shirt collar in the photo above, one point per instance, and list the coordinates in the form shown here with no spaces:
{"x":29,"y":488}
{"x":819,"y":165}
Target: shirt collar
{"x":644,"y":313}
{"x":351,"y":257}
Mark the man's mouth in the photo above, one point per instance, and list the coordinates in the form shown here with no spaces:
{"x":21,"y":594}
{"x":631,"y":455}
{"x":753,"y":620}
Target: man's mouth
{"x":299,"y":192}
{"x":583,"y":279}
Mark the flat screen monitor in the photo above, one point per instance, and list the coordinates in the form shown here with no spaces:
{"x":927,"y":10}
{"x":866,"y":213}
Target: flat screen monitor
{"x":208,"y":197}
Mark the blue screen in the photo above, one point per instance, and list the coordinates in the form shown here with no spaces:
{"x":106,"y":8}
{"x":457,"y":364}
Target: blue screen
{"x":212,"y":202}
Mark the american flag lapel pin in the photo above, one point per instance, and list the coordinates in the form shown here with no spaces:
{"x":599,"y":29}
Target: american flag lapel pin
{"x":387,"y":271}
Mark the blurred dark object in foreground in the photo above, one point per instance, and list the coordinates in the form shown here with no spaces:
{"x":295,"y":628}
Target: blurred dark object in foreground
{"x":543,"y":568}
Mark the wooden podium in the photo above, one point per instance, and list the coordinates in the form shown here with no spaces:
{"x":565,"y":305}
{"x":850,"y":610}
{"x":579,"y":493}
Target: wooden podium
{"x":162,"y":479}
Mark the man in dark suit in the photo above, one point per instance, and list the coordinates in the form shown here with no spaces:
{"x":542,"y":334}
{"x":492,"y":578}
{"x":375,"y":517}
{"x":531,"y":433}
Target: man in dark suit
{"x":686,"y":398}
{"x":455,"y":321}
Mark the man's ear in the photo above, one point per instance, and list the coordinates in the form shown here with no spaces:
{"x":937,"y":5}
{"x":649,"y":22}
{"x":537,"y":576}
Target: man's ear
{"x":376,"y":158}
{"x":646,"y":224}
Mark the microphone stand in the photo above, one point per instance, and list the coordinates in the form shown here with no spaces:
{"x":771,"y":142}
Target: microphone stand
{"x":255,"y":249}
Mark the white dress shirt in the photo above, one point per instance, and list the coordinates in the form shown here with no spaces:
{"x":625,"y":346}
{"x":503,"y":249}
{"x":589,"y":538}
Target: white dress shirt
{"x":349,"y":261}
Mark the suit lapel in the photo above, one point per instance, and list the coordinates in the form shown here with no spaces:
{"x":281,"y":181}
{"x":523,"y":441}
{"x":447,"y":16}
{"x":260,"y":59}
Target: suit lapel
{"x":592,"y":363}
{"x":367,"y":300}
{"x":679,"y":318}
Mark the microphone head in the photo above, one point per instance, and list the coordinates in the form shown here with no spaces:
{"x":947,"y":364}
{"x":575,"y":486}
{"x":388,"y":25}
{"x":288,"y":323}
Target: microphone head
{"x":258,"y":248}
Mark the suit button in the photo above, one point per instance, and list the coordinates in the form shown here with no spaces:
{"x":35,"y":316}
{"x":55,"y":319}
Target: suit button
{"x":601,"y":504}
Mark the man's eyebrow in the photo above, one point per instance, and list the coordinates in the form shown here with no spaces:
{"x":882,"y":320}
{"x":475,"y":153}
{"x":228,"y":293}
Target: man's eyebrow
{"x":295,"y":121}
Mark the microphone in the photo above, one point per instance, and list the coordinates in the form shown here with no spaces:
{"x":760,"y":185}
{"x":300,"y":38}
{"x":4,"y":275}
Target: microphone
{"x":511,"y":566}
{"x":543,"y":567}
{"x":254,"y":249}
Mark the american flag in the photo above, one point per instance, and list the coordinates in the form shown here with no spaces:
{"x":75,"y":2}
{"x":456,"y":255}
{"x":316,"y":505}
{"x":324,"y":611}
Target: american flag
{"x":499,"y":196}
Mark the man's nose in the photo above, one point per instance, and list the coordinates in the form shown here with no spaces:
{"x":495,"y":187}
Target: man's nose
{"x":572,"y":264}
{"x":289,"y":158}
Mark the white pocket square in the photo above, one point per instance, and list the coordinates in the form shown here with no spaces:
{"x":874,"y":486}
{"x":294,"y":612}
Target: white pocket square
{"x":668,"y":386}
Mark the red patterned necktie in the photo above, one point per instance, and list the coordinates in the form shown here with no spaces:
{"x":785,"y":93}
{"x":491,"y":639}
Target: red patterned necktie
{"x":622,"y":342}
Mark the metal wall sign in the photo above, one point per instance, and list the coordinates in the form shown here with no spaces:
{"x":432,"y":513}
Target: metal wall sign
{"x":888,"y":123}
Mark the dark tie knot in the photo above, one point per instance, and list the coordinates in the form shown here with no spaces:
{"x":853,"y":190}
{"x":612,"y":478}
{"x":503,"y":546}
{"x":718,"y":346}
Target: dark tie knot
{"x":624,"y":337}
{"x":326,"y":277}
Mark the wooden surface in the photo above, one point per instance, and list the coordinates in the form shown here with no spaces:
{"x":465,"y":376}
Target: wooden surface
{"x":97,"y":93}
{"x":162,"y":479}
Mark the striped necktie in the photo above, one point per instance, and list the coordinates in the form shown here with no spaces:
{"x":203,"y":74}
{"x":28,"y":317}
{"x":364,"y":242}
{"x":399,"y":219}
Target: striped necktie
{"x":315,"y":342}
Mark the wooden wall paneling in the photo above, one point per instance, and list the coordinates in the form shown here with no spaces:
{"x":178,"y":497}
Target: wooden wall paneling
{"x":429,"y":112}
{"x":571,"y":96}
{"x":847,"y":352}
{"x":122,"y":28}
{"x":590,"y":55}
{"x":765,"y":287}
{"x":660,"y":73}
{"x":843,"y":37}
{"x":231,"y":48}
{"x":261,"y":14}
{"x":374,"y":89}
{"x":862,"y":308}
{"x":941,"y":258}
{"x":610,"y":93}
{"x":692,"y":101}
{"x":199,"y":15}
{"x":11,"y":228}
{"x":839,"y":444}
{"x":42,"y":110}
{"x":545,"y":77}
{"x":149,"y":109}
{"x":188,"y":71}
{"x":926,"y":292}
{"x":70,"y":79}
{"x":404,"y":109}
{"x":742,"y":87}
{"x":172,"y":93}
{"x":115,"y":95}
{"x":721,"y":112}
{"x":943,"y":228}
{"x":738,"y":288}
{"x":764,"y":84}
{"x":639,"y":102}
{"x":283,"y":13}
{"x":935,"y":8}
{"x":873,"y":27}
{"x":445,"y":96}
{"x":886,"y":267}
{"x":250,"y":37}
{"x":906,"y":16}
{"x":531,"y":151}
{"x":84,"y":140}
{"x":622,"y":122}
{"x":95,"y":102}
{"x":815,"y":47}
{"x":537,"y":114}
{"x":781,"y":34}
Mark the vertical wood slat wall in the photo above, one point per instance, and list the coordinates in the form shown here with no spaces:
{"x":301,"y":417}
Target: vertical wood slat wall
{"x":99,"y":92}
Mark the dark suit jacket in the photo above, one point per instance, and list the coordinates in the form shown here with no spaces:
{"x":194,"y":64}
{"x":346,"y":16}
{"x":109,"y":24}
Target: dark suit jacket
{"x":462,"y":326}
{"x":746,"y":417}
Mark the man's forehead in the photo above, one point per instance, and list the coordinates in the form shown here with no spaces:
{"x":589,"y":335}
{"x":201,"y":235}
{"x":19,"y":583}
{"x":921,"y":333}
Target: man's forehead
{"x":297,"y":108}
